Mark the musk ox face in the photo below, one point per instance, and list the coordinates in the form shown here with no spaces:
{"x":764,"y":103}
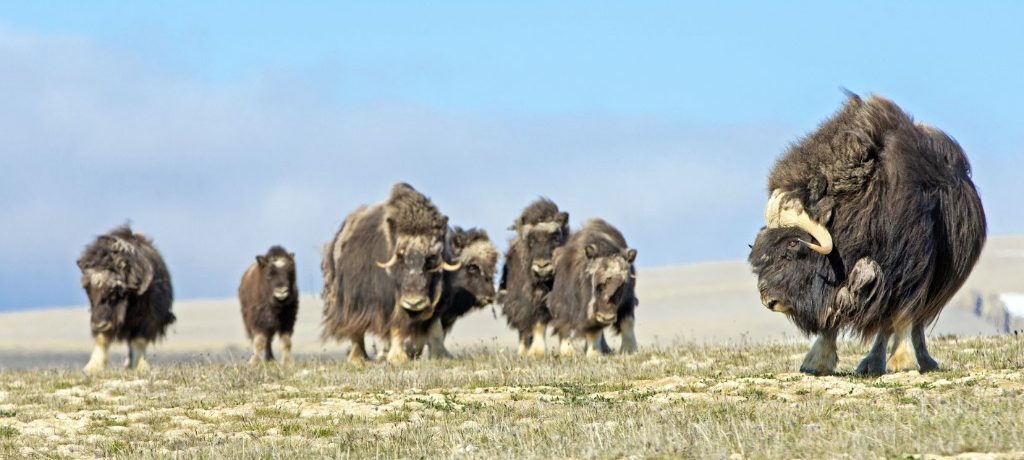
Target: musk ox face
{"x":278,"y":268}
{"x":415,"y":266}
{"x":111,"y":280}
{"x":610,"y":277}
{"x":478,"y":262}
{"x":108,"y":299}
{"x":792,"y":278}
{"x":541,"y":241}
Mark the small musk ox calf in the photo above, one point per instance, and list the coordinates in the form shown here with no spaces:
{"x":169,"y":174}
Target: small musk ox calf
{"x":270,"y":301}
{"x":529,"y":272}
{"x":383,"y":272}
{"x":466,"y":289}
{"x":872,"y":225}
{"x":594,"y":289}
{"x":130,"y":295}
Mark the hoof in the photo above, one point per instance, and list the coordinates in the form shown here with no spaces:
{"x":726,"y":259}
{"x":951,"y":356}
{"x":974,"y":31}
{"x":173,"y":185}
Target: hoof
{"x":142,"y":365}
{"x":928,"y":364}
{"x":815,"y":372}
{"x":870,"y":367}
{"x":398,"y":358}
{"x":94,"y":367}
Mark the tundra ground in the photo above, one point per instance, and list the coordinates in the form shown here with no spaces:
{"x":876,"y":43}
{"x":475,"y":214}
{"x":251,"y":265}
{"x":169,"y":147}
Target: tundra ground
{"x":677,"y":401}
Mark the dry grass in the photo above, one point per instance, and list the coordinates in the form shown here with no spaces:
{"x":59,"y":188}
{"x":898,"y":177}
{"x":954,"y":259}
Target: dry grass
{"x":680,"y":401}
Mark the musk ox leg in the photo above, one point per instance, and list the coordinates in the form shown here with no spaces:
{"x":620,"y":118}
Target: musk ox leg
{"x":268,"y":351}
{"x":357,"y":355}
{"x":902,"y":357}
{"x":628,"y":336}
{"x":524,"y":343}
{"x":874,"y":362}
{"x":414,"y":347}
{"x":566,"y":349}
{"x":823,"y":357}
{"x":137,"y":347}
{"x":397,"y":354}
{"x":924,"y":359}
{"x":538,"y":345}
{"x":260,"y":343}
{"x":98,"y":359}
{"x":435,"y":338}
{"x":286,"y":347}
{"x":595,"y":343}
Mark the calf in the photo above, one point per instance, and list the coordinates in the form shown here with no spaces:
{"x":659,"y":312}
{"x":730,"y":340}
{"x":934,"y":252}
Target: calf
{"x":270,"y":301}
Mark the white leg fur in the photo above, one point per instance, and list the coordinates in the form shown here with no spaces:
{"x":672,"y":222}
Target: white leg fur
{"x":823,"y":357}
{"x":435,"y":339}
{"x":286,"y":348}
{"x":902,"y":358}
{"x":138,"y":354}
{"x":539,"y":344}
{"x":594,"y":342}
{"x":396,"y":354}
{"x":628,"y":336}
{"x":259,"y":342}
{"x":357,"y":355}
{"x":98,"y":359}
{"x":566,"y":349}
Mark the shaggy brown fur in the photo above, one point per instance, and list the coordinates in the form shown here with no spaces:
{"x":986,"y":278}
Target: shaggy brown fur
{"x":129,"y":291}
{"x":529,"y":273}
{"x":595,"y":286}
{"x":407,"y":235}
{"x":905,"y":218}
{"x":270,"y":302}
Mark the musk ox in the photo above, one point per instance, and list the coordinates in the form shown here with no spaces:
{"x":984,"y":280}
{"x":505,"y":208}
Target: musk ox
{"x":270,"y":301}
{"x":872,"y":225}
{"x":594,"y":289}
{"x":383,"y":272}
{"x":466,"y":289}
{"x":529,"y":272}
{"x":130,"y":295}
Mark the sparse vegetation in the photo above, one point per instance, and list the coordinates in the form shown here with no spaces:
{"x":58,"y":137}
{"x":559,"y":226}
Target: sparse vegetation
{"x":680,"y":401}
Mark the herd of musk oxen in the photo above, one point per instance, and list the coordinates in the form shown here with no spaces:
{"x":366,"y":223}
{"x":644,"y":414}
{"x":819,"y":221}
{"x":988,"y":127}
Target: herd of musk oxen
{"x":871,"y":225}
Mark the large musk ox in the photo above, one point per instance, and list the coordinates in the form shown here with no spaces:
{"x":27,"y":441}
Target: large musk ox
{"x":466,"y":289}
{"x":872,"y":225}
{"x":383,"y":272}
{"x":594,"y":289}
{"x":130,"y":295}
{"x":529,"y":272}
{"x":270,"y":301}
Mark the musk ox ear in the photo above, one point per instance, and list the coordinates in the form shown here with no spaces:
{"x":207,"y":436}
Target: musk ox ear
{"x":590,"y":250}
{"x":291,"y":255}
{"x":630,"y":255}
{"x":261,"y":261}
{"x":562,"y":218}
{"x":81,"y":264}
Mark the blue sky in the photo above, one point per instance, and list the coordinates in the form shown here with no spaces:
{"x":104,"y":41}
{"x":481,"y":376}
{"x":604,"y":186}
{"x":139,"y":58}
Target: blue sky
{"x":220,"y":128}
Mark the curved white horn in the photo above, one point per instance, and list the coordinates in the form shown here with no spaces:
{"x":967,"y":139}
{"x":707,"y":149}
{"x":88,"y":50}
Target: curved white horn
{"x":390,"y":262}
{"x":781,"y":212}
{"x":450,"y":267}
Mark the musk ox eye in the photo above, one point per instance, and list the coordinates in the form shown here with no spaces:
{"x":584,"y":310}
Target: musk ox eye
{"x":792,"y":244}
{"x":473,"y":270}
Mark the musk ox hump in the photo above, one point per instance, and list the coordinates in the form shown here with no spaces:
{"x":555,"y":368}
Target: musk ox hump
{"x":542,"y":210}
{"x":409,"y":212}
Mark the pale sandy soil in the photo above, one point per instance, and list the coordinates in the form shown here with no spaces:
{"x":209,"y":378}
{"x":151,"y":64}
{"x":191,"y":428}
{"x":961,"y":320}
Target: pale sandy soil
{"x":704,"y":303}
